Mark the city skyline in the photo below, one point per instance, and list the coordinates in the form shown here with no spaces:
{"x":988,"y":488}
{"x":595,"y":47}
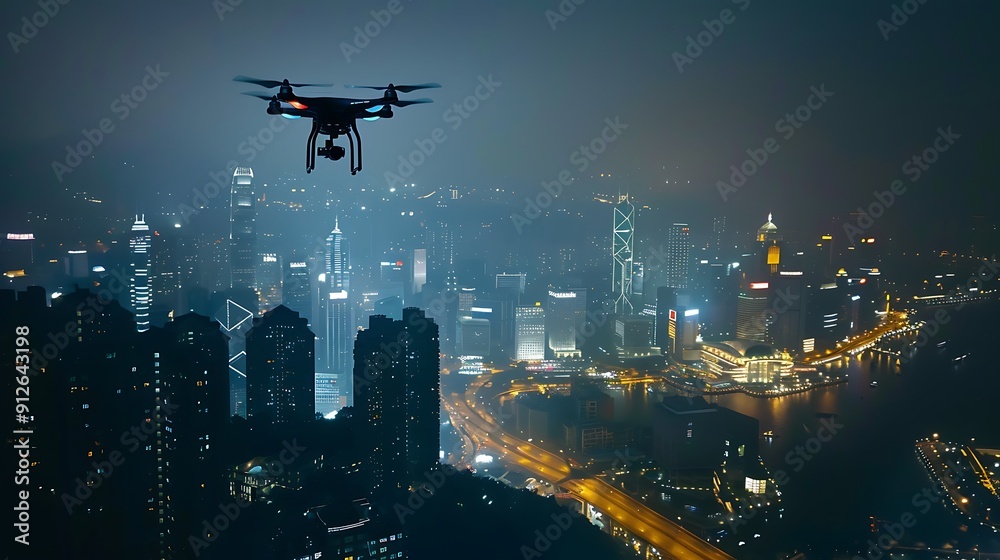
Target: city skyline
{"x":630,"y":282}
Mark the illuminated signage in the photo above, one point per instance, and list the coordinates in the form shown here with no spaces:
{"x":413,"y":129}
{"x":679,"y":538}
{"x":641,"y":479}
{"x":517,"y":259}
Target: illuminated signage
{"x":673,"y":315}
{"x":690,"y":312}
{"x":758,"y":285}
{"x":562,"y":295}
{"x":20,"y":236}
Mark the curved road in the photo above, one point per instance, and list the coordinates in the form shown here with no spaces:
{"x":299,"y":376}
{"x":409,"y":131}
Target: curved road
{"x":666,"y":536}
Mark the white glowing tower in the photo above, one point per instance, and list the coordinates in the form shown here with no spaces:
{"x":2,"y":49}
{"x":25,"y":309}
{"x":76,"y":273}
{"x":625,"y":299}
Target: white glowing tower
{"x":139,"y":295}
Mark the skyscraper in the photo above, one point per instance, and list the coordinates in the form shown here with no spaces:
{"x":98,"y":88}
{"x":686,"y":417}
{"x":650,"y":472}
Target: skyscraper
{"x":752,"y":317}
{"x":243,"y":230}
{"x":337,"y":334}
{"x":565,"y":314}
{"x":337,"y":259}
{"x":269,"y":276}
{"x":440,"y":241}
{"x":281,"y":368}
{"x":678,"y":255}
{"x":529,"y":337}
{"x":720,"y":248}
{"x":296,"y":290}
{"x":397,"y":380}
{"x":621,"y":250}
{"x":187,"y":363}
{"x":138,"y":290}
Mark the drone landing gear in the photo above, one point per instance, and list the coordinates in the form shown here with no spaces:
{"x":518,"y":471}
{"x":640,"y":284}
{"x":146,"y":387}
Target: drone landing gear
{"x":330,"y":151}
{"x":311,"y":148}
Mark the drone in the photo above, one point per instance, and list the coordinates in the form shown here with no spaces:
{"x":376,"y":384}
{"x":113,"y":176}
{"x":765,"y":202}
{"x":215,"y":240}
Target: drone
{"x":333,"y":116}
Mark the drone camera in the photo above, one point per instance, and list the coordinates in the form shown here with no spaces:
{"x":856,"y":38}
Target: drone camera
{"x":332,"y":152}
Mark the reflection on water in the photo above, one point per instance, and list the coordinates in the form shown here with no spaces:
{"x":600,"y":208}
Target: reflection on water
{"x":869,"y":467}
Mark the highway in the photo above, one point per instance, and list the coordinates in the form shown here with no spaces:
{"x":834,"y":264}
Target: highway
{"x":669,"y":538}
{"x":895,"y":322}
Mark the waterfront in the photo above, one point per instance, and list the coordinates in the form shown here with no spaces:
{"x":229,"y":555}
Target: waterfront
{"x":868,"y":468}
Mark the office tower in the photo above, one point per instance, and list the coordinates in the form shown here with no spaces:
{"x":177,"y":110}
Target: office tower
{"x":638,"y":282}
{"x":243,"y":230}
{"x":824,"y":319}
{"x":234,"y":321}
{"x":397,"y":394}
{"x":671,"y":305}
{"x":565,"y":313}
{"x":337,"y":261}
{"x":281,"y":368}
{"x":621,"y":250}
{"x":17,"y":251}
{"x":392,"y":278}
{"x":466,"y":299}
{"x":473,"y":338}
{"x":331,"y":394}
{"x":500,"y":305}
{"x":76,"y":263}
{"x":337,"y":334}
{"x":678,"y":255}
{"x":419,"y":270}
{"x":138,"y":292}
{"x":440,"y":242}
{"x":296,"y":287}
{"x":165,"y":280}
{"x":768,"y":256}
{"x":516,"y":282}
{"x":529,"y":338}
{"x":269,"y":276}
{"x":720,"y":248}
{"x":752,"y":317}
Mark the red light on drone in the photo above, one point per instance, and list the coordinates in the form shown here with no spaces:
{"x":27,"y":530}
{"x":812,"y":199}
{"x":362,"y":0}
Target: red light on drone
{"x":298,"y":105}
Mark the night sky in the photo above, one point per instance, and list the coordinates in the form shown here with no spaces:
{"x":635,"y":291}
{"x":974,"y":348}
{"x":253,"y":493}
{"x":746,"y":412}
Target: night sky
{"x":557,"y":87}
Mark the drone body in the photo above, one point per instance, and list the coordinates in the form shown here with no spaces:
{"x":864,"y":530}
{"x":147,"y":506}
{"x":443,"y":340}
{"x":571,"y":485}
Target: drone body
{"x":333,"y":116}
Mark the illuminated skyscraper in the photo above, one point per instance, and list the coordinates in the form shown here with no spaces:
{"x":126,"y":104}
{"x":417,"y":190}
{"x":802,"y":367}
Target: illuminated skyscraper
{"x":565,"y":314}
{"x":296,"y":288}
{"x":336,"y":259}
{"x":138,"y":290}
{"x":622,"y":248}
{"x":337,"y":334}
{"x":243,"y":230}
{"x":530,"y":333}
{"x":678,"y":255}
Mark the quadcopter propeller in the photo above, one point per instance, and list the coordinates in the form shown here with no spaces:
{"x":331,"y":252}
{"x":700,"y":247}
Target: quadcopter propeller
{"x":403,"y":89}
{"x":259,"y":95}
{"x":405,"y":102}
{"x":274,"y":83}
